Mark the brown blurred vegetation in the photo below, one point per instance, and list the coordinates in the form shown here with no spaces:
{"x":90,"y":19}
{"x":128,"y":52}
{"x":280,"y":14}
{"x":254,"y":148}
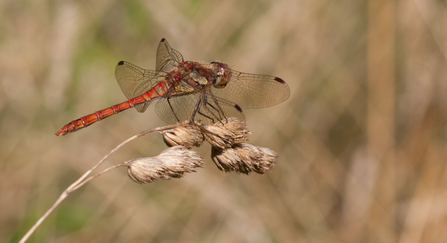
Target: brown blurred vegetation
{"x":361,"y":140}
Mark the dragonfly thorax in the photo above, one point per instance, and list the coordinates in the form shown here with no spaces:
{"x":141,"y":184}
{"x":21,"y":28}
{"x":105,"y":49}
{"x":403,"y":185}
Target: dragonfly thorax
{"x":221,"y":74}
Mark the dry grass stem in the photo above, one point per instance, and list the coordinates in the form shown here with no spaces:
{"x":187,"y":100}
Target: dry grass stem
{"x":82,"y":180}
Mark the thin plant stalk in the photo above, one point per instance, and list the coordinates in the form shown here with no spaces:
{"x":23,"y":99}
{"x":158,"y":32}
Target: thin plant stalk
{"x":81,"y":181}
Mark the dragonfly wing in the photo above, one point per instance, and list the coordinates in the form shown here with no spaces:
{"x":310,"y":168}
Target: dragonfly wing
{"x":167,"y":57}
{"x":185,"y":105}
{"x":134,"y":81}
{"x":253,"y":90}
{"x":182,"y":106}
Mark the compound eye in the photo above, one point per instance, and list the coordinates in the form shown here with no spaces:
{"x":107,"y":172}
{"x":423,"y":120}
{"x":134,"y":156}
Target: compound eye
{"x":222,"y":75}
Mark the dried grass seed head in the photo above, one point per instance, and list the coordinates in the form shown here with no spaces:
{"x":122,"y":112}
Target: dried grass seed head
{"x":146,"y":170}
{"x":171,"y":163}
{"x":244,"y":158}
{"x":184,"y":134}
{"x":225,"y":133}
{"x":179,"y":159}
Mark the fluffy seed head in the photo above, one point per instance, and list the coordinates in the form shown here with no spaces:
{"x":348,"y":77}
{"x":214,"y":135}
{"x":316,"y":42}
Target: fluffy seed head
{"x":171,"y":163}
{"x":244,"y":158}
{"x":225,"y":133}
{"x":185,"y":134}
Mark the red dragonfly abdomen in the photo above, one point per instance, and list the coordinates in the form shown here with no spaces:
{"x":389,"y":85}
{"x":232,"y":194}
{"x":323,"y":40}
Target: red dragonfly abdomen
{"x":157,"y":91}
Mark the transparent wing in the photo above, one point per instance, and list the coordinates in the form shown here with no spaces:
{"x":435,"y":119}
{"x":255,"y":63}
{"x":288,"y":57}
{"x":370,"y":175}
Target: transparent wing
{"x":167,"y":58}
{"x":184,"y":107}
{"x":134,"y":81}
{"x":253,"y":90}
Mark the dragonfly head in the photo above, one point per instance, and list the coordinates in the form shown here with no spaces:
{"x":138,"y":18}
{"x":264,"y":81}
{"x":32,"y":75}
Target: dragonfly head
{"x":221,"y":74}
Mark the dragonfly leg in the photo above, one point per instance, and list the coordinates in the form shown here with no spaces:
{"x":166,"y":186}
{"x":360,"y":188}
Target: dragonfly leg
{"x":212,"y":120}
{"x":218,"y":109}
{"x":172,"y":109}
{"x":196,"y":109}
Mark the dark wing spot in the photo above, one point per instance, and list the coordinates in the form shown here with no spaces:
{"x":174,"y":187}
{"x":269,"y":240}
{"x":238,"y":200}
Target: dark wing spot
{"x":121,"y":63}
{"x":238,"y":108}
{"x":163,"y":40}
{"x":279,"y":80}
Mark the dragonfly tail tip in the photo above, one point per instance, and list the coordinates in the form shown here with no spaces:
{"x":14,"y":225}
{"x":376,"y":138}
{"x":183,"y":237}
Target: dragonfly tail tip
{"x":61,"y":132}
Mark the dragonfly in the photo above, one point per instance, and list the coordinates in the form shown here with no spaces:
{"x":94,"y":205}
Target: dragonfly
{"x":188,"y":90}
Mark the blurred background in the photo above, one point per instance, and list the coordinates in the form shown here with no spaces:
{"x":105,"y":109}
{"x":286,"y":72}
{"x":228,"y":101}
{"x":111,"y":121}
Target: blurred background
{"x":361,"y":140}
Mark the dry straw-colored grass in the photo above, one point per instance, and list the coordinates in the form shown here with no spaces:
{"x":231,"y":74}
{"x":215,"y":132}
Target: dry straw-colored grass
{"x":361,"y":140}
